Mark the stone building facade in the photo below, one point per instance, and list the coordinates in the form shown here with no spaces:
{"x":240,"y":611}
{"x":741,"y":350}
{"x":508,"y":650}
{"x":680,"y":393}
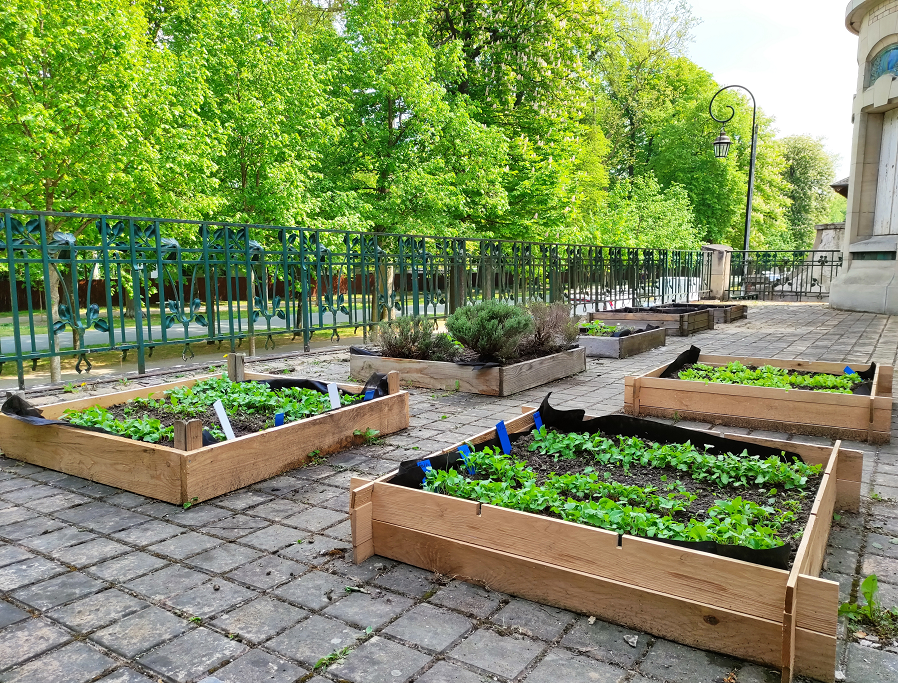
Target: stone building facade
{"x":870,"y":278}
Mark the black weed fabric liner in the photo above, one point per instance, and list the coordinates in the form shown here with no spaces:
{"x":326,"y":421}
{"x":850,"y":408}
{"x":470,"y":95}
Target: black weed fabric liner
{"x":410,"y":473}
{"x":629,"y":331}
{"x":691,"y":357}
{"x":17,"y":407}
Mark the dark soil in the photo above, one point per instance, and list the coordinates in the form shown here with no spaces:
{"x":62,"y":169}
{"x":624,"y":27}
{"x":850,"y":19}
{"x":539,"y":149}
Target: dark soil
{"x":706,"y":492}
{"x":242,"y":424}
{"x":797,"y":373}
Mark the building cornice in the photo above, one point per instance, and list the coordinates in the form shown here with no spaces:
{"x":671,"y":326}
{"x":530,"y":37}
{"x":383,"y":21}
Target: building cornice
{"x":855,"y":12}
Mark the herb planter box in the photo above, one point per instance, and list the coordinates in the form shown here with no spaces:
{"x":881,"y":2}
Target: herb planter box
{"x":495,"y":381}
{"x":677,"y":324}
{"x":839,"y":416}
{"x":623,"y":347}
{"x":782,"y":619}
{"x":723,"y":313}
{"x":179,"y":476}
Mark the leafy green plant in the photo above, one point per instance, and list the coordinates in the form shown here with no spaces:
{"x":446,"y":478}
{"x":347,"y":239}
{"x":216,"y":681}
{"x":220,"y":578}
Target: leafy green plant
{"x":332,"y":658}
{"x":190,"y":503}
{"x":501,"y":480}
{"x":769,"y":376}
{"x":872,"y":614}
{"x":413,"y":337}
{"x":554,"y":328}
{"x":722,"y":470}
{"x":599,"y":329}
{"x":253,"y":398}
{"x":369,"y":436}
{"x":492,"y":329}
{"x":139,"y":429}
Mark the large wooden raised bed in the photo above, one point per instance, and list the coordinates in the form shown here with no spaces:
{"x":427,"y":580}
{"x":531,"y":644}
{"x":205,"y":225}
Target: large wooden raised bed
{"x":723,"y":313}
{"x":181,"y":476}
{"x":495,"y":381}
{"x":676,"y":324}
{"x":777,"y":618}
{"x":816,"y":413}
{"x":623,"y":347}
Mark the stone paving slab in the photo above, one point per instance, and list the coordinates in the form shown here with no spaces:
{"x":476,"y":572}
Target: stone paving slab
{"x":120,"y":588}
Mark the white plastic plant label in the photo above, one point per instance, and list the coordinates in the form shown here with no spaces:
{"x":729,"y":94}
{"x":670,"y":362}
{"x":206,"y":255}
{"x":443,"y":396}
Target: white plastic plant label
{"x":223,"y":418}
{"x":334,"y":394}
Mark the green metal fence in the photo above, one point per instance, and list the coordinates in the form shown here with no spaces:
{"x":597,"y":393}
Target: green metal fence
{"x":802,"y":275}
{"x":132,"y":284}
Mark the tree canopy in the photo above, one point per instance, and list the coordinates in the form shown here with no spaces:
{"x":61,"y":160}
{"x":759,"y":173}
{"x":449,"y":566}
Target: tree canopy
{"x":561,"y":119}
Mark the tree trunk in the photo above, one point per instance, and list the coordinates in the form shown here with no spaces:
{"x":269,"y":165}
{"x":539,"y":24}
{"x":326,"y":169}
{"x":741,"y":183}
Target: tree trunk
{"x":53,"y":298}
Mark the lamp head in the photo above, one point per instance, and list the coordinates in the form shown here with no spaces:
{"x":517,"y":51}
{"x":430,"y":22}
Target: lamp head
{"x":722,"y":145}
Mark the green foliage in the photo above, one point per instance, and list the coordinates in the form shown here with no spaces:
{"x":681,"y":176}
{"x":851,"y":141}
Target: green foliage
{"x":769,"y":376}
{"x":332,"y":658}
{"x":413,"y":337}
{"x":599,"y":329}
{"x":810,"y":170}
{"x":369,"y":436}
{"x":872,"y":614}
{"x":639,"y":213}
{"x":720,"y":470}
{"x":253,"y":398}
{"x":139,"y":429}
{"x":584,"y":498}
{"x":492,"y":329}
{"x":564,"y":120}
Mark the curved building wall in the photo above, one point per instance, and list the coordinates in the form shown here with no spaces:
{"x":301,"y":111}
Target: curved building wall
{"x":870,"y":279}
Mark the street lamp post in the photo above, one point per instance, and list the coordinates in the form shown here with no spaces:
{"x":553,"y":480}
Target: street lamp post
{"x":722,"y":148}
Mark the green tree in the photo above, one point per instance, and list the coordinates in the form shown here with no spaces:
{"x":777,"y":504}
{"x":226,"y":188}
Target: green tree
{"x":809,"y":172}
{"x":638,"y":213}
{"x":89,"y":121}
{"x":523,"y":66}
{"x":412,"y":156}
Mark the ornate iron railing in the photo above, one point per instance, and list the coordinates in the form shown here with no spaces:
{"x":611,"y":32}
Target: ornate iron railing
{"x":783,"y":275}
{"x":132,"y":284}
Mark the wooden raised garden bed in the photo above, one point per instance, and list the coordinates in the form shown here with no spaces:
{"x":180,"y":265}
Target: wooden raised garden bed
{"x":723,"y":313}
{"x":816,"y":413}
{"x":676,"y":324}
{"x":777,"y":618}
{"x":623,"y":347}
{"x":200,"y":473}
{"x":490,"y":381}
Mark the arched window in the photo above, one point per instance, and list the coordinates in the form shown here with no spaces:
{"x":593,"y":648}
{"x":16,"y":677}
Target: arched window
{"x":883,"y":63}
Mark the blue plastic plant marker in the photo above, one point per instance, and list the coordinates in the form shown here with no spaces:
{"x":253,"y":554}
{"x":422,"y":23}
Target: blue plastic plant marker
{"x":848,"y":370}
{"x":537,"y":420}
{"x":465,"y":454}
{"x":368,"y":395}
{"x":278,"y":419}
{"x":503,"y":438}
{"x":425,"y":467}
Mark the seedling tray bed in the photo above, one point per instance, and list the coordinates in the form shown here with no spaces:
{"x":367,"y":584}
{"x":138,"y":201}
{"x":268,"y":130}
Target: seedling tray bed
{"x":489,"y":381}
{"x":201,"y":472}
{"x":623,"y":347}
{"x":723,"y":313}
{"x":816,"y":413}
{"x":677,"y":324}
{"x":777,"y":618}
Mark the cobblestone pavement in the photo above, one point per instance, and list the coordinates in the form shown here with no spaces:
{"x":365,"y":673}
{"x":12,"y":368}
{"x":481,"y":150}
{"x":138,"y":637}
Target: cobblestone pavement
{"x":102,"y":585}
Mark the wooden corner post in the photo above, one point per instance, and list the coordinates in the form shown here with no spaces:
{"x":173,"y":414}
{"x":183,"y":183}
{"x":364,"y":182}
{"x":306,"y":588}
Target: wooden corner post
{"x":236,"y":371}
{"x":361,"y":518}
{"x":392,"y":382}
{"x":188,"y":435}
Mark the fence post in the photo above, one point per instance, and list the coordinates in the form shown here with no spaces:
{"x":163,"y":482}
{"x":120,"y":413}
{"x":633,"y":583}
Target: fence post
{"x":721,"y":257}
